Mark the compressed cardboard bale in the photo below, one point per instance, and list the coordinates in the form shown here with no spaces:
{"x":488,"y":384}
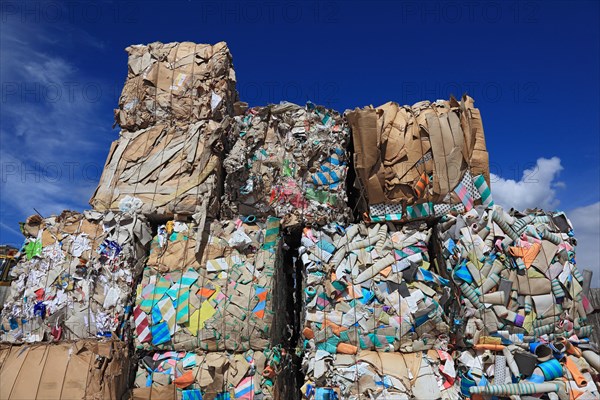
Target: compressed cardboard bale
{"x":216,"y":292}
{"x":212,"y":375}
{"x":372,"y":288}
{"x":165,"y":169}
{"x":516,"y":274}
{"x":376,"y":375}
{"x":176,"y":82}
{"x":288,"y":161}
{"x":75,"y":276}
{"x":82,"y":370}
{"x":420,"y":161}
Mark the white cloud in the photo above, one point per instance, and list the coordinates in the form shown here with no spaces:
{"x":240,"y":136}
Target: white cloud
{"x":536,"y":188}
{"x":586,"y":225}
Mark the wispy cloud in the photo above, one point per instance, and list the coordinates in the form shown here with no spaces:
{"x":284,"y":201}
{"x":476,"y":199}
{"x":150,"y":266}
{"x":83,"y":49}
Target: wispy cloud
{"x":537,"y":187}
{"x":55,"y":125}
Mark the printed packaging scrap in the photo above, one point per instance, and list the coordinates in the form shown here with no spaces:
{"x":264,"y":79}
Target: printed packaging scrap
{"x":420,"y":161}
{"x":218,"y":295}
{"x":288,"y":161}
{"x":380,"y":376}
{"x":372,"y":288}
{"x":523,"y":324}
{"x":183,"y":375}
{"x":176,"y":82}
{"x":165,"y":170}
{"x":75,"y":276}
{"x":82,"y":370}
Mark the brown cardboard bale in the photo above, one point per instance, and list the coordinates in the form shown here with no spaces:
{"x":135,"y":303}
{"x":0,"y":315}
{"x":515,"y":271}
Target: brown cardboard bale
{"x":176,"y":82}
{"x":86,"y":370}
{"x":418,"y":156}
{"x":165,"y":169}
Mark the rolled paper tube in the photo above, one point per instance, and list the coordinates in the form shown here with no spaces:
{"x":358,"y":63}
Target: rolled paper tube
{"x":493,"y":298}
{"x":345,"y":348}
{"x":500,"y":369}
{"x":374,"y":269}
{"x":500,"y":311}
{"x":545,"y":321}
{"x":580,"y":309}
{"x":381,"y":237}
{"x":362,"y":244}
{"x":553,"y":396}
{"x":350,"y":234}
{"x":308,"y":333}
{"x":471,"y":295}
{"x":484,"y":233}
{"x":551,"y":369}
{"x":465,"y":384}
{"x":558,"y":290}
{"x":475,"y":273}
{"x":470,"y":328}
{"x":575,"y":372}
{"x":500,"y":220}
{"x":310,"y":292}
{"x":543,"y":330}
{"x":506,"y":243}
{"x":528,"y":305}
{"x":520,"y":388}
{"x":577,"y":274}
{"x":520,"y":224}
{"x":510,"y":361}
{"x":520,"y":264}
{"x":585,"y":331}
{"x":592,"y":358}
{"x":492,"y":280}
{"x":543,"y":352}
{"x":571,"y":348}
{"x":492,"y":347}
{"x":551,"y":237}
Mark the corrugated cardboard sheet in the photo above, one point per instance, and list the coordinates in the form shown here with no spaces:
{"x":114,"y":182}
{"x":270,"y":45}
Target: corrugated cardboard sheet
{"x":75,"y":277}
{"x":176,"y":82}
{"x":288,"y":161}
{"x":396,"y":146}
{"x":84,"y":370}
{"x":171,"y":169}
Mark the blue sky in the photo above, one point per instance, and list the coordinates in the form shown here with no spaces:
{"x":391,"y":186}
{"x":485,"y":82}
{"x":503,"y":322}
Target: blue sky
{"x":532,"y":67}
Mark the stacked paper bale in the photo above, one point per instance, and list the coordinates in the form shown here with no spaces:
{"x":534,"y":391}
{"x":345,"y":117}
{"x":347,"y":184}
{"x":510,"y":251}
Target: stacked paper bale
{"x":216,"y":300}
{"x":176,"y":82}
{"x":523,"y":325}
{"x":85,"y":369}
{"x":371,"y":290}
{"x":174,"y":110}
{"x":75,"y":277}
{"x":420,"y":161}
{"x":208,"y":375}
{"x":165,"y":170}
{"x":288,"y":161}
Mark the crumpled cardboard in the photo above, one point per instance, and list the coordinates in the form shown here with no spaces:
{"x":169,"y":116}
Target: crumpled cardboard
{"x":288,"y":161}
{"x":211,"y":375}
{"x":407,"y":156}
{"x":378,"y":375}
{"x":75,"y":276}
{"x":176,"y":82}
{"x":165,"y":169}
{"x":85,"y":370}
{"x":219,"y":291}
{"x":372,"y":288}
